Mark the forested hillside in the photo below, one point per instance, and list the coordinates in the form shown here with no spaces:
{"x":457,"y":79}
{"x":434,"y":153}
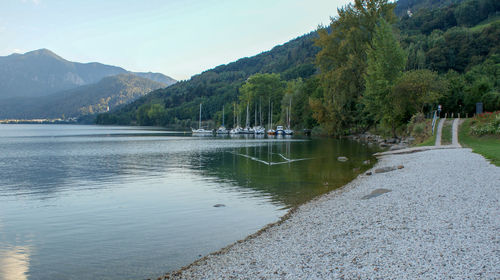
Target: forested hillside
{"x":178,"y":104}
{"x":403,"y":6}
{"x":369,"y":68}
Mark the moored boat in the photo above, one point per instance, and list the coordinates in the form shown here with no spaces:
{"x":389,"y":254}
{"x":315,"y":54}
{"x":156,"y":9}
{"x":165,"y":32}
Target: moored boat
{"x":201,"y":131}
{"x":222,"y":129}
{"x":280,"y":130}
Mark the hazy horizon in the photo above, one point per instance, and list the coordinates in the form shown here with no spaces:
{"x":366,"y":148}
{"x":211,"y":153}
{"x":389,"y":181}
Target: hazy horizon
{"x":176,"y":38}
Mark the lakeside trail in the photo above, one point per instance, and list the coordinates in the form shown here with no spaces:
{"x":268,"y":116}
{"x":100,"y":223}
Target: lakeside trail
{"x":438,"y":217}
{"x":439,"y":131}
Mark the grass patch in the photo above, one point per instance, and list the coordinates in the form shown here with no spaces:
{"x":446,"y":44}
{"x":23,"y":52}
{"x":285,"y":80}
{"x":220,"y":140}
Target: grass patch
{"x":430,"y":141}
{"x":485,"y":23}
{"x":422,"y":132}
{"x":487,"y":146}
{"x":446,"y":133}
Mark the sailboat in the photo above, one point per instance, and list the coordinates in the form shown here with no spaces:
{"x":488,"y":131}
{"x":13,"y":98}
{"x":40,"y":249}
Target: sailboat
{"x":280,"y":130}
{"x":236,"y":120}
{"x":271,"y":131}
{"x":258,"y":129}
{"x":222,"y":129}
{"x":201,"y":131}
{"x":248,"y":129}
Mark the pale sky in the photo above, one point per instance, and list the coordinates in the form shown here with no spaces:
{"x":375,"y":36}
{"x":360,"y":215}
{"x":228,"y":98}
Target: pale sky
{"x":178,"y":38}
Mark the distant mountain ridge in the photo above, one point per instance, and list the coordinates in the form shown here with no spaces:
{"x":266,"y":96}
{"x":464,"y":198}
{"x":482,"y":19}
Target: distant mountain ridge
{"x":107,"y":94}
{"x":42,"y":72}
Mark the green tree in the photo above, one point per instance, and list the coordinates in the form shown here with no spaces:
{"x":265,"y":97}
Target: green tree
{"x":151,"y":114}
{"x":414,"y":90}
{"x":386,"y":61}
{"x":262,"y":89}
{"x":342,"y":62}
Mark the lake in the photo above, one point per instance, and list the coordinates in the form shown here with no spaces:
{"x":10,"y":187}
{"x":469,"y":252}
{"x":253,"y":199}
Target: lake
{"x":100,"y":202}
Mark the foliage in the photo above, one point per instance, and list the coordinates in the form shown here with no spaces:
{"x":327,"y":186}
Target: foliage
{"x":486,"y":124}
{"x":446,"y":39}
{"x":480,"y":84}
{"x":386,"y":61}
{"x":342,"y":63}
{"x":416,"y":89}
{"x":261,"y":91}
{"x":415,"y":5}
{"x":486,"y":145}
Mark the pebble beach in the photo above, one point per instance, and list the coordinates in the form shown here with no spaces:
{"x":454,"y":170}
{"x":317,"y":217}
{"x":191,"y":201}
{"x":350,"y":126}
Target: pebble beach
{"x":438,"y":217}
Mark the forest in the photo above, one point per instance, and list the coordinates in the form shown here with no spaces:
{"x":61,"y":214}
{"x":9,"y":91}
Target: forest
{"x":378,"y":65}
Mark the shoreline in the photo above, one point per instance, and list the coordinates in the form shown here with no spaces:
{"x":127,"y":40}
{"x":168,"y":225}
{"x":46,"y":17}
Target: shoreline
{"x":250,"y":257}
{"x":282,"y":219}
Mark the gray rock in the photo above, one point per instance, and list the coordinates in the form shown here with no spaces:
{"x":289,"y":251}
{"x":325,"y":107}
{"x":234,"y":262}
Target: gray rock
{"x":398,"y":147}
{"x":219,"y":205}
{"x":392,"y":140}
{"x":342,"y":159}
{"x":366,"y":162}
{"x":385,"y":169}
{"x":376,"y":193}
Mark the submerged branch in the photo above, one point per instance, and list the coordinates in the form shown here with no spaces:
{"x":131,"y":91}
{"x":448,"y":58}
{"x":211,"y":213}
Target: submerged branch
{"x":287,"y":160}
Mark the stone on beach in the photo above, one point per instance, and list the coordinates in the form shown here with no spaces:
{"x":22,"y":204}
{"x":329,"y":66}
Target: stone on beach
{"x":385,"y":169}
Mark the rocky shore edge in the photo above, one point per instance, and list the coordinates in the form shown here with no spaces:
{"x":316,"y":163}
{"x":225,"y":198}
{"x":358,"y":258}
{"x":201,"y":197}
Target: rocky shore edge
{"x":435,"y":216}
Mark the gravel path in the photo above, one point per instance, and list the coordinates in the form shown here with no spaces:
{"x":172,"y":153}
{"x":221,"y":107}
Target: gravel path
{"x":454,"y":140}
{"x":439,"y":131}
{"x":438,"y":217}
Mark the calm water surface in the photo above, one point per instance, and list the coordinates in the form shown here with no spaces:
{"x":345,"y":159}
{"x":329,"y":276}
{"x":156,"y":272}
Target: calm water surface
{"x":91,"y":202}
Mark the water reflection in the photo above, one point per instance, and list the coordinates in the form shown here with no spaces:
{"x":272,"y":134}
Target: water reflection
{"x":14,"y":262}
{"x":315,"y":170}
{"x":115,"y":207}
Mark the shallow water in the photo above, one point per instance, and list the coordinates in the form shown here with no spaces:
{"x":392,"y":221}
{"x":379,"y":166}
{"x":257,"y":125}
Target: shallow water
{"x":93,"y":202}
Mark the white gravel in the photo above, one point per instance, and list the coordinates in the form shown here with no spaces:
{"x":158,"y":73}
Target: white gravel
{"x":440,"y":220}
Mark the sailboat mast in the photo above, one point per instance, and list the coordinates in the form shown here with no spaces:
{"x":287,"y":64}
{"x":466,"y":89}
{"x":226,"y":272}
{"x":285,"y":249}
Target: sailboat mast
{"x":260,"y":110}
{"x":287,"y":116}
{"x":199,"y":125}
{"x":271,"y":115}
{"x":223,"y":115}
{"x":255,"y":124}
{"x":247,"y":124}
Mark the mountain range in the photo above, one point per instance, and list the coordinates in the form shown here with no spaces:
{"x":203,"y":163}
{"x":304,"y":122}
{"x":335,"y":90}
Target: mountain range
{"x":30,"y":81}
{"x":105,"y":95}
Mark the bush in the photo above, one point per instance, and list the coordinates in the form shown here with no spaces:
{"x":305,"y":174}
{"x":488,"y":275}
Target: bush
{"x":491,"y":101}
{"x":319,"y":131}
{"x":418,"y":129}
{"x":486,"y":124}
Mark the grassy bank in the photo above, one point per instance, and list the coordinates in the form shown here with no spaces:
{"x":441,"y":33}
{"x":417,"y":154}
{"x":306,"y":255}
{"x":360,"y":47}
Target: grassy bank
{"x":446,"y":132}
{"x":488,"y":146}
{"x":422,"y":132}
{"x":430,"y":141}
